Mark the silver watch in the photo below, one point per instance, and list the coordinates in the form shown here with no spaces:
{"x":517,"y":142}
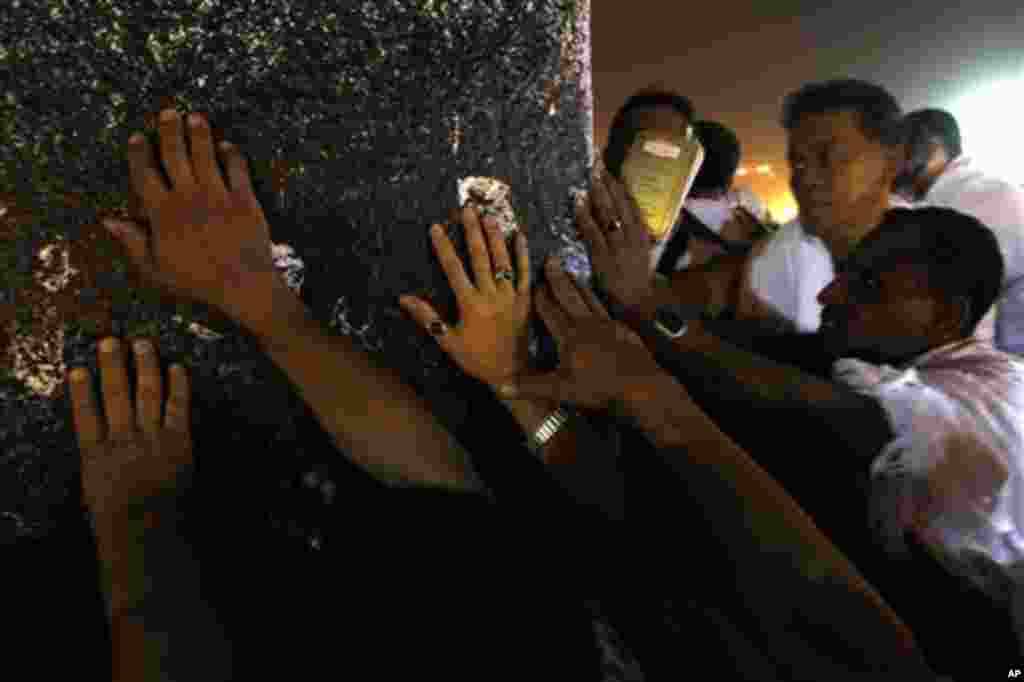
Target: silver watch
{"x":548,"y":428}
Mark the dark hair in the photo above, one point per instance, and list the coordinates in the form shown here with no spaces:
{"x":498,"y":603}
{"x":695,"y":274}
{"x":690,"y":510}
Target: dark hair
{"x":721,"y":157}
{"x":621,"y":135}
{"x":938,"y":124}
{"x":881,"y":118}
{"x":960,"y":254}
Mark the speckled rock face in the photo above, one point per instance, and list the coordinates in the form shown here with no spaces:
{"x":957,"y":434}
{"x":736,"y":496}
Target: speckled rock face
{"x":363,"y":122}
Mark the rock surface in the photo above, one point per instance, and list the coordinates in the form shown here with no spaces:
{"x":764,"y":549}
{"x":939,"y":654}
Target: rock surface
{"x":363,"y":125}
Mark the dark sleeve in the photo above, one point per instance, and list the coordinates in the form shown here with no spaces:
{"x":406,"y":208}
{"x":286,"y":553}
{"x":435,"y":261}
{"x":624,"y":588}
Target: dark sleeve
{"x":805,"y":351}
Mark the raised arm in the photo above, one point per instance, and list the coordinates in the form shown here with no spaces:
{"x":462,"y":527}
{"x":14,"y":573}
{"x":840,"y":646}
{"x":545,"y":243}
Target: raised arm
{"x":770,"y":539}
{"x":360,"y":404}
{"x":738,"y":375}
{"x":136,"y":460}
{"x":775,"y":547}
{"x":369,"y":411}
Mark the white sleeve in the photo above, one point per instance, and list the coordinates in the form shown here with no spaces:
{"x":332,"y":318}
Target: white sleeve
{"x":944,"y":477}
{"x":1010,"y":318}
{"x":1003,"y":213}
{"x":768,"y":292}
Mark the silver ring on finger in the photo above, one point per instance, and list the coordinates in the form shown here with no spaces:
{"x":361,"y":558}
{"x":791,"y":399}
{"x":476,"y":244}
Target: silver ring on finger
{"x":507,"y":275}
{"x":616,"y":226}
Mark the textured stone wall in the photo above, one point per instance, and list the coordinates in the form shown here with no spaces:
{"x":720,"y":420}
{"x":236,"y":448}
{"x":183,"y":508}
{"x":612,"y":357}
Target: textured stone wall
{"x":363,"y":122}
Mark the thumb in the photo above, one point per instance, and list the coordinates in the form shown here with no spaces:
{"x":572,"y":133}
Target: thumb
{"x":131,"y":236}
{"x":551,"y":386}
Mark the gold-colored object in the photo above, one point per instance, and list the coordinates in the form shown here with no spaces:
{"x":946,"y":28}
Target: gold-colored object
{"x":658,"y":171}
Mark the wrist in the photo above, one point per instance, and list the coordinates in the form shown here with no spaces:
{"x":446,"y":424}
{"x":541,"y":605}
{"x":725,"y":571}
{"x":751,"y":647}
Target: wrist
{"x":640,"y":310}
{"x":134,"y":518}
{"x":657,"y":406}
{"x":530,"y":413}
{"x":269,"y":312}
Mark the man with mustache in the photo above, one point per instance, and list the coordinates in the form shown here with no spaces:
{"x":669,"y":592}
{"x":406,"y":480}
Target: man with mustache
{"x":845,"y":150}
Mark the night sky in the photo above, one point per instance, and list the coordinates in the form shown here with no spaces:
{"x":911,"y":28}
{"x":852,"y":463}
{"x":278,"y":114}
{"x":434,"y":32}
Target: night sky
{"x":736,"y":61}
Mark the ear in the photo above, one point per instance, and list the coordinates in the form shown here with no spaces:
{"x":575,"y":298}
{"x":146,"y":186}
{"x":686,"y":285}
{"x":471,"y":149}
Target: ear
{"x":937,"y":157}
{"x":954,"y":317}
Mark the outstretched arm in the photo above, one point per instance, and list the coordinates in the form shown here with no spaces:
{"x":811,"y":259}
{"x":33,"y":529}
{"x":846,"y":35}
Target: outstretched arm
{"x":774,"y":545}
{"x":367,"y":409}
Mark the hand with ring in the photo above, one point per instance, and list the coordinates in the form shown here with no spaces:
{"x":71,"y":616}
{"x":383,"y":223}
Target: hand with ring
{"x":618,"y":241}
{"x":491,"y":341}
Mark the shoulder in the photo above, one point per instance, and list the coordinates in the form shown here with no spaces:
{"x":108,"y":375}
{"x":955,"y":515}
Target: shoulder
{"x":988,"y":197}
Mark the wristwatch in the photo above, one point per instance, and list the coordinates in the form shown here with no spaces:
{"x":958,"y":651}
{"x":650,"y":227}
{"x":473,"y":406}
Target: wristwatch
{"x":670,"y":322}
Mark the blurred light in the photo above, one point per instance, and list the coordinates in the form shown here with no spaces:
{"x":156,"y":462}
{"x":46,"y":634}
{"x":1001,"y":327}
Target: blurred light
{"x":989,"y":117}
{"x":764,"y":169}
{"x":741,"y":172}
{"x":783,"y":208}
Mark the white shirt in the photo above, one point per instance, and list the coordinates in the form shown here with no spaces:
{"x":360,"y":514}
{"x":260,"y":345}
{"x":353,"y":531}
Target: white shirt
{"x":954,"y":473}
{"x":896,"y":201}
{"x":714,"y":213}
{"x":784,"y":275}
{"x":999,"y":205}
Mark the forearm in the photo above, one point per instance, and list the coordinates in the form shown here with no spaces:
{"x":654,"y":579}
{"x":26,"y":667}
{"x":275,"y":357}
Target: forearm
{"x":366,"y":408}
{"x":590,"y":475}
{"x":161,"y":628}
{"x":773,"y":544}
{"x":739,"y":375}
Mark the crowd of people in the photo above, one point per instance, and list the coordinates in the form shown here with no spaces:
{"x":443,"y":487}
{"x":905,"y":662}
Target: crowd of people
{"x":831,"y":411}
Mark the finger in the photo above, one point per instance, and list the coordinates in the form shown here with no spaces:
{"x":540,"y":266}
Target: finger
{"x":564,"y":289}
{"x":523,"y":258}
{"x":178,"y":401}
{"x":116,"y":394}
{"x":633,"y":221}
{"x":149,"y":391}
{"x":592,"y":234}
{"x":591,"y":299}
{"x":86,"y":416}
{"x":147,"y":181}
{"x":204,"y":157}
{"x":173,"y":150}
{"x":238,"y":171}
{"x":458,"y":280}
{"x":134,"y":240}
{"x":555,"y":319}
{"x":478,"y":254}
{"x":425,"y":315}
{"x":499,"y":249}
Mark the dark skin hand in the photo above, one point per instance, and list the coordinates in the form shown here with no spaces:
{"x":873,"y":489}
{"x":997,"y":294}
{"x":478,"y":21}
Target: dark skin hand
{"x":135,"y":461}
{"x":134,"y":454}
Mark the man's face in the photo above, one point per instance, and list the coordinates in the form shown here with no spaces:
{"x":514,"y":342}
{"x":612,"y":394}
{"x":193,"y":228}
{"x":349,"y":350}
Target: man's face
{"x":879,"y":306}
{"x":840,"y":179}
